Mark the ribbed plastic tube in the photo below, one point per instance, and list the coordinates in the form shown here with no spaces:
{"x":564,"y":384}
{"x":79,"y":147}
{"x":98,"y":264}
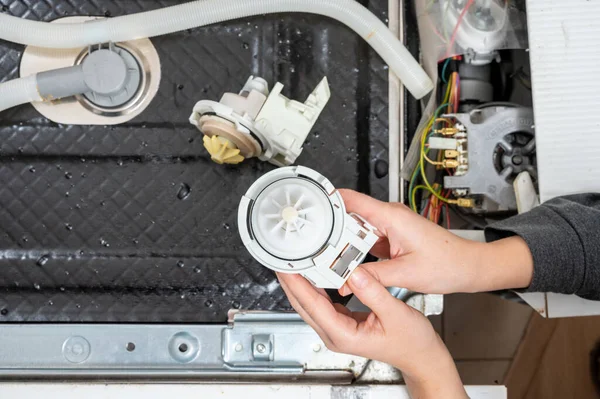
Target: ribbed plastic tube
{"x":205,"y":12}
{"x":18,"y":91}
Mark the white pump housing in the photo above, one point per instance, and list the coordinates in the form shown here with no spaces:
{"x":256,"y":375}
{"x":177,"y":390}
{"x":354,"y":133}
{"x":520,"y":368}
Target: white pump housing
{"x":255,"y":123}
{"x":292,"y":220}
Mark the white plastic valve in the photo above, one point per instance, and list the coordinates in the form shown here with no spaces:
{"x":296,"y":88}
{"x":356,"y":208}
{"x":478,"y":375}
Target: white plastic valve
{"x":255,"y":123}
{"x":292,"y":220}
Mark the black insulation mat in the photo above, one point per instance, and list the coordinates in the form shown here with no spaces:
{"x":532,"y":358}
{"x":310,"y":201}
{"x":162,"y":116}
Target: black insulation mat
{"x":134,"y":223}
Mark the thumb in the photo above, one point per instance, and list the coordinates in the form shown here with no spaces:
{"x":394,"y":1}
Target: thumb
{"x":372,"y":293}
{"x":395,"y":273}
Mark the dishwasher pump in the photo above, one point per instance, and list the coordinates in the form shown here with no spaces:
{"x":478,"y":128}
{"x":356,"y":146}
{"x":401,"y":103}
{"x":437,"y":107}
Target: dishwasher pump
{"x":258,"y":123}
{"x":293,"y":220}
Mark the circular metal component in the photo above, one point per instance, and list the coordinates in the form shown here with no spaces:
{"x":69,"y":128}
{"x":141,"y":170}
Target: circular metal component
{"x":76,"y":349}
{"x":80,"y":110}
{"x":184,"y":347}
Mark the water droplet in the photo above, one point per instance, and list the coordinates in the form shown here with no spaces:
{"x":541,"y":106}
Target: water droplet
{"x":68,"y":175}
{"x":67,"y":194}
{"x":316,"y":134}
{"x":226,"y":226}
{"x":62,"y":289}
{"x":78,"y":306}
{"x":4,"y":312}
{"x":103,"y":203}
{"x":81,"y":253}
{"x":180,"y":87}
{"x":32,"y":169}
{"x":182,"y":296}
{"x":83,"y":175}
{"x":50,"y":302}
{"x":209,"y":303}
{"x":236,"y":305}
{"x":120,"y":162}
{"x":42,"y":260}
{"x":344,"y":105}
{"x":68,"y":226}
{"x":82,"y":160}
{"x":67,"y":273}
{"x":36,"y":286}
{"x":381,"y":168}
{"x":197,"y":269}
{"x":135,"y":241}
{"x":107,"y":13}
{"x":104,"y":243}
{"x":24,"y":238}
{"x":245,"y":46}
{"x":184,"y":191}
{"x":180,"y":264}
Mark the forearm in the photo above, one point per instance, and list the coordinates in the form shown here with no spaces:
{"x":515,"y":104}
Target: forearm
{"x":503,"y":264}
{"x":435,"y":376}
{"x":563,"y":238}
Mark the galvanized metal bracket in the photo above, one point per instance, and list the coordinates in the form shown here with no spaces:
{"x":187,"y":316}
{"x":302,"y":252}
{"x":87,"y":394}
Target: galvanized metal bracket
{"x":252,"y":346}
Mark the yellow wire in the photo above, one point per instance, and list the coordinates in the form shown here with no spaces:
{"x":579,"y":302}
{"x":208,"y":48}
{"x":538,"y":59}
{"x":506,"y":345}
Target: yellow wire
{"x":424,"y":175}
{"x":424,"y":156}
{"x":432,"y":162}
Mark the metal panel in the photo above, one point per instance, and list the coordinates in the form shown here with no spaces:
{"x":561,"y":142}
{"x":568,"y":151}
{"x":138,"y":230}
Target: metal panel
{"x":564,"y":40}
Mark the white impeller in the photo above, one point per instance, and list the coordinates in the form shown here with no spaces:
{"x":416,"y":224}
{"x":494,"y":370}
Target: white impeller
{"x":290,"y":215}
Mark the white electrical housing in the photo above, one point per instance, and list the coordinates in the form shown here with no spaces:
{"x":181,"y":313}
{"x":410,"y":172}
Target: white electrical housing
{"x":292,"y":220}
{"x":255,"y":123}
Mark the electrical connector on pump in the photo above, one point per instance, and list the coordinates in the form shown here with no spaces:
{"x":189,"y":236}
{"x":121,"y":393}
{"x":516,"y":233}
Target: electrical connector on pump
{"x":465,"y":202}
{"x":256,"y":123}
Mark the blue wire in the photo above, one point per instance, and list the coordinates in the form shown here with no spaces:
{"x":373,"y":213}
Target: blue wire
{"x":444,"y":70}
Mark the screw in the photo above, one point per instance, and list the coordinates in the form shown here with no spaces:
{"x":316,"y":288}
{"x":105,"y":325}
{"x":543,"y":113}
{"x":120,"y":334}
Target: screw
{"x":261,"y":348}
{"x":316,"y":348}
{"x":239,"y":347}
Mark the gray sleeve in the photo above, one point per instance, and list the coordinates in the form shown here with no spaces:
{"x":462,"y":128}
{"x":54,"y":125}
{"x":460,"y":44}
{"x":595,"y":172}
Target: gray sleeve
{"x":563,"y":235}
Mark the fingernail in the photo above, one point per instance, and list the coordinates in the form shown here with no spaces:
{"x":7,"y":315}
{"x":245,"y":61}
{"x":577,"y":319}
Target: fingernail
{"x":359,"y":278}
{"x":345,"y":290}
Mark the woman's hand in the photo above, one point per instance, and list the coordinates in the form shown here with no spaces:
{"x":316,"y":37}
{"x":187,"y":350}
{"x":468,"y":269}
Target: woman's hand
{"x":393,"y":333}
{"x":424,"y":257}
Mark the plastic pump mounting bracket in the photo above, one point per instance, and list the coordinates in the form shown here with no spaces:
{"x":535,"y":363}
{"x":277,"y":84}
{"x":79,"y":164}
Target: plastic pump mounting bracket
{"x":293,"y":220}
{"x":256,"y":123}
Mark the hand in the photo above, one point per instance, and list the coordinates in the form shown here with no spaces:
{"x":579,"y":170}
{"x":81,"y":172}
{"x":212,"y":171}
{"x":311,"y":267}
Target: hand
{"x":424,"y":257}
{"x":393,"y":333}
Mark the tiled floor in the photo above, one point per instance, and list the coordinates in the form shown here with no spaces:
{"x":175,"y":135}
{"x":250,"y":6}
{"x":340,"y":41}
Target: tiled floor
{"x":482,"y":332}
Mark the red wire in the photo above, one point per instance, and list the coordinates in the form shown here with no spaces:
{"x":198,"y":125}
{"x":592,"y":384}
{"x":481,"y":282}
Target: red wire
{"x":447,"y":216}
{"x":427,"y":207}
{"x":458,"y":22}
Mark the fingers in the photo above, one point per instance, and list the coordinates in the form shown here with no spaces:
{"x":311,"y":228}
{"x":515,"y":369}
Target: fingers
{"x":284,"y":279}
{"x":317,"y":310}
{"x":373,"y":294}
{"x":379,"y":214}
{"x":390,"y":273}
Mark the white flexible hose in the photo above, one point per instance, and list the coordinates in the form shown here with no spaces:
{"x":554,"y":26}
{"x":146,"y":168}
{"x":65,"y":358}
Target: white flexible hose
{"x":205,"y":12}
{"x":18,"y":91}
